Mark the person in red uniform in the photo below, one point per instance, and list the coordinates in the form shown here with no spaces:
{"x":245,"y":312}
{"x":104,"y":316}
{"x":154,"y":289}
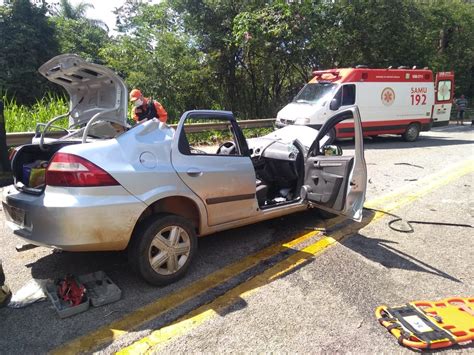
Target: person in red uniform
{"x":146,"y":108}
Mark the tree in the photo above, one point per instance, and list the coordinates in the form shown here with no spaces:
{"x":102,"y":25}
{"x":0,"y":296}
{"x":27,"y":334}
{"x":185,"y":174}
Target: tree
{"x":275,"y":54}
{"x":210,"y":24}
{"x":79,"y":37}
{"x":154,"y":54}
{"x":27,"y":41}
{"x":75,"y":33}
{"x":66,"y":10}
{"x":450,"y":32}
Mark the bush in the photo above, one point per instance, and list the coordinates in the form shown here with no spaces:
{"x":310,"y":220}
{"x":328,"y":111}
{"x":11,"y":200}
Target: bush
{"x":21,"y":118}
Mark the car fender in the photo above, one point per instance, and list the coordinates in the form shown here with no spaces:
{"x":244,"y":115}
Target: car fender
{"x":140,"y":161}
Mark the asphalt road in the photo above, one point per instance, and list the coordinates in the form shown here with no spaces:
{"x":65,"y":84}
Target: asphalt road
{"x":301,"y":299}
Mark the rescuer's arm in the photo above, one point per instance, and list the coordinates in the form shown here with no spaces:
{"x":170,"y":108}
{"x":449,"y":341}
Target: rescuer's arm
{"x":134,"y":115}
{"x":160,"y":110}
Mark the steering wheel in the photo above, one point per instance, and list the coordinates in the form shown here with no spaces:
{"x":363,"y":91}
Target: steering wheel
{"x":227,"y":148}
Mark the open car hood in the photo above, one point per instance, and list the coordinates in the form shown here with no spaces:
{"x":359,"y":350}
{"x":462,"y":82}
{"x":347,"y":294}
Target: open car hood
{"x":94,"y":90}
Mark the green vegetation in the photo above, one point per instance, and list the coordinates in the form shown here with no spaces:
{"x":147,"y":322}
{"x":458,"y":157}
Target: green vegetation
{"x":21,"y":118}
{"x":216,"y":137}
{"x":250,"y":57}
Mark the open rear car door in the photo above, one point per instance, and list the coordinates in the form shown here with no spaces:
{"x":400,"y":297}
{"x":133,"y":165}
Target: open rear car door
{"x":336,"y":182}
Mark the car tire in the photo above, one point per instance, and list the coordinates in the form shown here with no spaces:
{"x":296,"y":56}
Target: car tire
{"x":171,"y":236}
{"x":412,"y":132}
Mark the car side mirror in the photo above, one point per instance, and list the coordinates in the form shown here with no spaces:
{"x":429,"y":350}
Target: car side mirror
{"x":332,"y":150}
{"x":335,"y":104}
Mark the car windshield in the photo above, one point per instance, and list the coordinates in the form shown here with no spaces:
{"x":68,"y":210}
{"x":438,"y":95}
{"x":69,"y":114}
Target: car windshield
{"x":314,"y":92}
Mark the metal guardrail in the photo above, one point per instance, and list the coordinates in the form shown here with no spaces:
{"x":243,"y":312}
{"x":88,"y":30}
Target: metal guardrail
{"x":199,"y":127}
{"x":19,"y":138}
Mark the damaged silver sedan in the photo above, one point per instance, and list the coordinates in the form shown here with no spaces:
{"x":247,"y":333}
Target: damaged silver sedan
{"x":153,"y":189}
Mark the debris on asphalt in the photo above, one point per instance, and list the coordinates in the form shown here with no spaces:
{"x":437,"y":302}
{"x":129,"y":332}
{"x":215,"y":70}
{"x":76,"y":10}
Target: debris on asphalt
{"x":68,"y":296}
{"x":411,"y":179}
{"x":102,"y":290}
{"x":25,"y":247}
{"x":409,"y":164}
{"x":33,"y":291}
{"x":316,"y":229}
{"x":110,"y":313}
{"x":72,"y":295}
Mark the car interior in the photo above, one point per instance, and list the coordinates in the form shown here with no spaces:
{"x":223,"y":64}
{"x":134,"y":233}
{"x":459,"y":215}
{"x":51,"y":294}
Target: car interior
{"x":279,"y":181}
{"x":279,"y":169}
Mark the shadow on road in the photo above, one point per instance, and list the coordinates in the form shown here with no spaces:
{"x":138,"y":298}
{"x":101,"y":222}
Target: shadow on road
{"x":382,"y":251}
{"x":215,"y":252}
{"x":59,"y":264}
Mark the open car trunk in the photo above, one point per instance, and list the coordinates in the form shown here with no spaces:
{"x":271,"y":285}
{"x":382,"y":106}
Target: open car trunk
{"x":29,"y":165}
{"x":97,"y":110}
{"x":95,"y":92}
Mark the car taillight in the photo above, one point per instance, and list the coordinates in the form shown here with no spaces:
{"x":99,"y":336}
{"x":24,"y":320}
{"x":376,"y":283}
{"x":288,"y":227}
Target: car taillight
{"x":73,"y":171}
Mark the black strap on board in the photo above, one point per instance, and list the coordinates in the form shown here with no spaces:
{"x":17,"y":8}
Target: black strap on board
{"x":435,"y":334}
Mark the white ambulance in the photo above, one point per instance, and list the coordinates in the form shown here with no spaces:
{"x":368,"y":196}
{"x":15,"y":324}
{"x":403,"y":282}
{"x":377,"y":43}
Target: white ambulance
{"x":391,"y":101}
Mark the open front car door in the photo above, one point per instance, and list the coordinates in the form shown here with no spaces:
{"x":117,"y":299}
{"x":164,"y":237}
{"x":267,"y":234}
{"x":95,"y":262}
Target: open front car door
{"x":334,"y":181}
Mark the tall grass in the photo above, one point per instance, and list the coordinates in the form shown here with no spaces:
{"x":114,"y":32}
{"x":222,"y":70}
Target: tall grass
{"x":21,"y":118}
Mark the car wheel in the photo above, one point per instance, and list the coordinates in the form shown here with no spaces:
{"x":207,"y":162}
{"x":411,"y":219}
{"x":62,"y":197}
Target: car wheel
{"x":162,"y":248}
{"x":412,"y":132}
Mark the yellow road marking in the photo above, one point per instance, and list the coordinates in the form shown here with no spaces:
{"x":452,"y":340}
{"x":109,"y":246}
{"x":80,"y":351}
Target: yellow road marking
{"x":206,"y":312}
{"x":153,"y":310}
{"x":116,"y":329}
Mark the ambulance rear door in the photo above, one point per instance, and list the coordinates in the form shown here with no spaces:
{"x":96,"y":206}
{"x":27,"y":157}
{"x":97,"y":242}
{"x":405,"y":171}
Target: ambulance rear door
{"x":444,"y":89}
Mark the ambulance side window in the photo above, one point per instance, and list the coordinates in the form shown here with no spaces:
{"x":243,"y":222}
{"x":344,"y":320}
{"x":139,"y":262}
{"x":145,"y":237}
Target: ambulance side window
{"x":348,"y":94}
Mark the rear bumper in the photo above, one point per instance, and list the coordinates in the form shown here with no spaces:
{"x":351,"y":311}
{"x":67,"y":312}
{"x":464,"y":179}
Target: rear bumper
{"x":74,"y":219}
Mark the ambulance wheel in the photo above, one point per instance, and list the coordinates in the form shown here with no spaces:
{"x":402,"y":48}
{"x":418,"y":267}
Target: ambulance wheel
{"x":412,"y":132}
{"x":162,"y":248}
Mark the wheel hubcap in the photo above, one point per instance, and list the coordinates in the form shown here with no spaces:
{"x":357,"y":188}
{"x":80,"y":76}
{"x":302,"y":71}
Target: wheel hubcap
{"x":169,"y":250}
{"x":412,"y":132}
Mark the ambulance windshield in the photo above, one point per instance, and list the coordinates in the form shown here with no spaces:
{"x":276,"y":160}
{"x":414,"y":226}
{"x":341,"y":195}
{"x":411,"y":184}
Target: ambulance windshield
{"x":314,"y":93}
